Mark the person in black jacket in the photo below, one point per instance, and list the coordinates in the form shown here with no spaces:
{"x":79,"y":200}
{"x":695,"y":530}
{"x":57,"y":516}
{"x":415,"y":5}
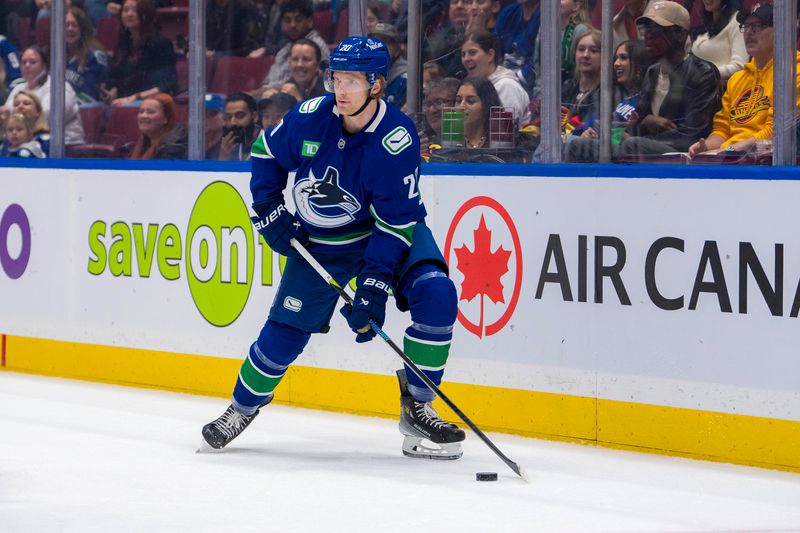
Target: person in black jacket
{"x":680,"y":92}
{"x":144,"y":61}
{"x":231,"y":27}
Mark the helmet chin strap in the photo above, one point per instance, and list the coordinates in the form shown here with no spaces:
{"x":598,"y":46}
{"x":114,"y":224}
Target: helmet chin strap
{"x":364,"y":106}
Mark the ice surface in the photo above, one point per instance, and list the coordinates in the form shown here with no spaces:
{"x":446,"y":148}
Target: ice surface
{"x":86,"y":457}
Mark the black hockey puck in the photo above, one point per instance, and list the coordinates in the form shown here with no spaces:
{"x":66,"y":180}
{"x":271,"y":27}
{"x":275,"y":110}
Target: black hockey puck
{"x":486,"y":476}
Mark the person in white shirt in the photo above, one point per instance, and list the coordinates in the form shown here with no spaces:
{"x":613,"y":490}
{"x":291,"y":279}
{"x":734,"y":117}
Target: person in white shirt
{"x":718,"y":38}
{"x":35,"y":63}
{"x":480,"y":55}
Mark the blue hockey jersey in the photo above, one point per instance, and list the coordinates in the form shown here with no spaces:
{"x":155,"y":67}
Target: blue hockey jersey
{"x":348,"y":187}
{"x":10,"y":56}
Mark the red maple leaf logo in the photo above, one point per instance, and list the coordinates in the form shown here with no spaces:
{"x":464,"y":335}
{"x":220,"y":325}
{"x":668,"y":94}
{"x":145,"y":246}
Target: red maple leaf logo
{"x":482,"y":269}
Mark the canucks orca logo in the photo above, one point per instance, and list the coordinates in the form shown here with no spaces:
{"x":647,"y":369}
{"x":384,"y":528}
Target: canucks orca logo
{"x":323,"y":202}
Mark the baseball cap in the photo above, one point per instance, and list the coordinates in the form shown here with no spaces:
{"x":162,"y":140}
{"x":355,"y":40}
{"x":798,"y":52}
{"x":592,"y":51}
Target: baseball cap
{"x":214,"y":102}
{"x":385,"y":32}
{"x":761,"y":10}
{"x":666,"y":13}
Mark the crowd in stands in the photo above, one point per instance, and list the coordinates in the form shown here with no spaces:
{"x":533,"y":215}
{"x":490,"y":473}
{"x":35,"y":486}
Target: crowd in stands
{"x":690,"y":76}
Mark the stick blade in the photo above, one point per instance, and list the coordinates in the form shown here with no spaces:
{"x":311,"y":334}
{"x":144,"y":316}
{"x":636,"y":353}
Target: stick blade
{"x":519,"y":471}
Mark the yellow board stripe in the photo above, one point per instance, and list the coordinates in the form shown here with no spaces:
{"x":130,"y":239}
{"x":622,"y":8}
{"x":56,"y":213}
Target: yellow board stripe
{"x":749,"y":440}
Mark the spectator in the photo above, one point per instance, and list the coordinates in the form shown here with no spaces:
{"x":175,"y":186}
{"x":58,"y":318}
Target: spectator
{"x":96,"y":9}
{"x":581,"y":94}
{"x":3,"y":87}
{"x":28,"y":104}
{"x":10,"y":56}
{"x":625,"y":21}
{"x":143,"y":63}
{"x":718,"y":39}
{"x":241,"y":127}
{"x":476,"y":96}
{"x":431,"y":71}
{"x":680,"y":93}
{"x":397,"y":81}
{"x":630,"y":63}
{"x":231,"y":27}
{"x":747,"y":105}
{"x":480,"y":55}
{"x":483,"y":15}
{"x":87,"y":65}
{"x":214,"y":104}
{"x":306,"y":76}
{"x":440,"y":93}
{"x":517,"y":28}
{"x":4,"y":114}
{"x":160,"y":136}
{"x":272,"y":110}
{"x":269,"y":24}
{"x":19,"y":138}
{"x":444,"y":47}
{"x":114,"y":7}
{"x":297,"y":22}
{"x":434,"y":18}
{"x":44,"y":7}
{"x":35,"y":79}
{"x":574,"y":22}
{"x":373,"y":16}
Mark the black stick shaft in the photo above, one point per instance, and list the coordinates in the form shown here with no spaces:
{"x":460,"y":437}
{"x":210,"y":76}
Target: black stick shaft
{"x":407,"y":360}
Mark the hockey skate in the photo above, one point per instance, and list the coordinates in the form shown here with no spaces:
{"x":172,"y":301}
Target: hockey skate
{"x":228,"y":426}
{"x":419,"y":422}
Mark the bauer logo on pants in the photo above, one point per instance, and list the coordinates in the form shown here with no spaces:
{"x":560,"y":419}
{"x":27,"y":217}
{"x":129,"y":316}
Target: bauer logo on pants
{"x":484,"y":253}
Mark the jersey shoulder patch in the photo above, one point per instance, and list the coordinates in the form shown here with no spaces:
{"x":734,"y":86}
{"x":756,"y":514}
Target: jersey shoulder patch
{"x":311,"y":105}
{"x":397,"y":140}
{"x":260,"y":148}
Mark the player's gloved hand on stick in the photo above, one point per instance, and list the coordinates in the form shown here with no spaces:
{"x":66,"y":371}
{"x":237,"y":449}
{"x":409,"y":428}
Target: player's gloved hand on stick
{"x":369,"y":303}
{"x":278,"y":227}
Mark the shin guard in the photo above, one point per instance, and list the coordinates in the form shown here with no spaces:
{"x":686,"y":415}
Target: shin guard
{"x":266,"y":363}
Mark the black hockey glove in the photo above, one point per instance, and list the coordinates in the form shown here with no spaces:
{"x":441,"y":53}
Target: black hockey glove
{"x":369,"y":303}
{"x":278,"y":226}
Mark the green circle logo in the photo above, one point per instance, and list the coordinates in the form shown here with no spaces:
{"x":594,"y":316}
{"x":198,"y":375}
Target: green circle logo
{"x":220,"y":254}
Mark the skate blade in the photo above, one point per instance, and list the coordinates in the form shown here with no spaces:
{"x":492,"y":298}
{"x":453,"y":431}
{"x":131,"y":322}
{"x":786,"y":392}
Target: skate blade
{"x":205,"y":447}
{"x":414,"y":447}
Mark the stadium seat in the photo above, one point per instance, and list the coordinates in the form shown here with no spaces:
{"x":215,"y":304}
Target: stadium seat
{"x":122,"y":129}
{"x":182,"y":67}
{"x":107,"y":33}
{"x":233,"y":74}
{"x":91,"y":151}
{"x":173,"y":21}
{"x":182,"y":113}
{"x":41,"y":32}
{"x":341,"y":32}
{"x":92,"y":118}
{"x":323,"y":22}
{"x":24,"y":33}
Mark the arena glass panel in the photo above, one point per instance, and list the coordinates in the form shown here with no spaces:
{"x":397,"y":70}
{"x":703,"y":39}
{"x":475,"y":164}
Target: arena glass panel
{"x":681,"y":88}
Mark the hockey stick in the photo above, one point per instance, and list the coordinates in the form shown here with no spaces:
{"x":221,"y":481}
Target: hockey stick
{"x":407,"y":360}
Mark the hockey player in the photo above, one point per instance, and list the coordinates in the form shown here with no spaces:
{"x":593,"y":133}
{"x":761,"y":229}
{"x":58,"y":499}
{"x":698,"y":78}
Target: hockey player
{"x":359,"y":212}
